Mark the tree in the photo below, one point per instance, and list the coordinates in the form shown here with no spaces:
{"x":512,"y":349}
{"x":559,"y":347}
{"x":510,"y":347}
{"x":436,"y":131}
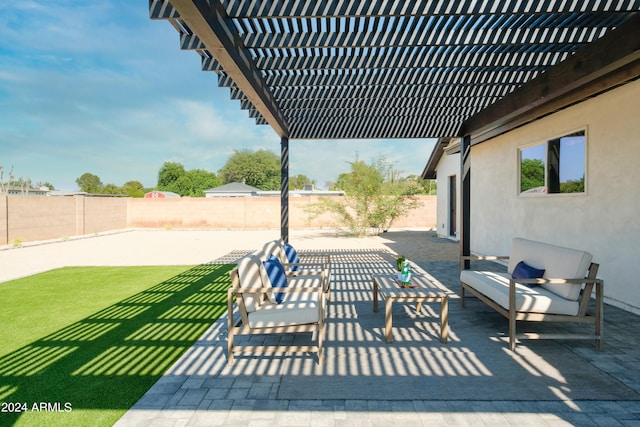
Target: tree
{"x":46,"y":184}
{"x":531,"y":174}
{"x":169,"y":174}
{"x":24,"y":184}
{"x":133,"y":189}
{"x":4,"y":184}
{"x":572,"y":186}
{"x":111,"y":189}
{"x":201,"y":180}
{"x":260,"y":169}
{"x":371,"y":201}
{"x":182,"y":186}
{"x":299,"y":181}
{"x":89,"y":183}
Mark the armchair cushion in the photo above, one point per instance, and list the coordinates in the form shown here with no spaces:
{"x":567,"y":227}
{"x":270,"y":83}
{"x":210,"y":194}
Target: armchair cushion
{"x":285,"y":314}
{"x":250,"y":275}
{"x":292,"y":256}
{"x":277,"y":276}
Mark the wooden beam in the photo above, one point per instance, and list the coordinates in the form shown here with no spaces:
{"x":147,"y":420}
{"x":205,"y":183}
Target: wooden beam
{"x":284,"y":189}
{"x":604,"y":64}
{"x":210,"y":22}
{"x":465,"y":202}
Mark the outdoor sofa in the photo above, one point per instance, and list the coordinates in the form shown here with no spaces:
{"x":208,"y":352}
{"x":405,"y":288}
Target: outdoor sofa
{"x":543,"y":283}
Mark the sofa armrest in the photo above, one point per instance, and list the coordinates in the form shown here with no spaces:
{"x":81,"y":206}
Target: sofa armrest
{"x":312,"y":265}
{"x":483,"y":257}
{"x":512,"y":289}
{"x":556,"y":281}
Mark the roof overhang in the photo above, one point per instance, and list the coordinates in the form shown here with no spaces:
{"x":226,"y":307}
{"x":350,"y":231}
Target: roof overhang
{"x":600,"y":66}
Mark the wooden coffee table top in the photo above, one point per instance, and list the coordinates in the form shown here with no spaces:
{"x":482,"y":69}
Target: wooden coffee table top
{"x":390,"y":287}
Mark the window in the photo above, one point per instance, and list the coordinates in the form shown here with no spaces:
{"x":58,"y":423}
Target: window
{"x":557,"y":166}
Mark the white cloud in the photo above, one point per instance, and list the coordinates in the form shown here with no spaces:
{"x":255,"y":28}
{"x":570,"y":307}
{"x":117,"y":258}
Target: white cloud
{"x":98,"y":87}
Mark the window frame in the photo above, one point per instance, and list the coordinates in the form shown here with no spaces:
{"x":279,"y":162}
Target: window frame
{"x":545,"y":143}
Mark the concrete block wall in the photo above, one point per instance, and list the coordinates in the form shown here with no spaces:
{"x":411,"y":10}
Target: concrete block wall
{"x":248,"y":213}
{"x":42,"y":218}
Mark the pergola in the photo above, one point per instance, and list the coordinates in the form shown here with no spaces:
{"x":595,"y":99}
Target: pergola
{"x":348,"y":69}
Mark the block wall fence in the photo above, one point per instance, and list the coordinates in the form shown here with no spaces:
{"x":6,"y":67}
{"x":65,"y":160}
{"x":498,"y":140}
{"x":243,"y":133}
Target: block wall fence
{"x":31,"y":218}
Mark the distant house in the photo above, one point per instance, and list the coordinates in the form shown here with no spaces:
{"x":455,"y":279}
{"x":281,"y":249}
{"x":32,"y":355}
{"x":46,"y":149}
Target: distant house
{"x":237,"y":189}
{"x":444,"y":167}
{"x":233,"y":189}
{"x":161,"y":195}
{"x":15,"y":190}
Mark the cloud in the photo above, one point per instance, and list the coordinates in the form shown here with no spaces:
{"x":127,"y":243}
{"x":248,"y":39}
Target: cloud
{"x":98,"y":87}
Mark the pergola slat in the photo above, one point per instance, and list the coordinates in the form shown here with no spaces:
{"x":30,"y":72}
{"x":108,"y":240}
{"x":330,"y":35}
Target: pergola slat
{"x":342,"y":8}
{"x":347,"y":68}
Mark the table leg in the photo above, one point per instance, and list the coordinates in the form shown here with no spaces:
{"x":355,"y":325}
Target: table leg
{"x":388,"y":320}
{"x":444,"y":319}
{"x":418,"y":306}
{"x":375,"y":296}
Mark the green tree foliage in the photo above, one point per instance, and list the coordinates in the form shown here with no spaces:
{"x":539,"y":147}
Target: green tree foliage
{"x":201,"y":180}
{"x":376,"y":195}
{"x":572,"y":186}
{"x":90,"y":183}
{"x":169,"y":174}
{"x":531,"y":174}
{"x":111,"y":189}
{"x":173,"y":177}
{"x":260,"y":169}
{"x":133,"y":189}
{"x":341,"y":182}
{"x":299,"y":181}
{"x":417,"y":185}
{"x":46,"y":184}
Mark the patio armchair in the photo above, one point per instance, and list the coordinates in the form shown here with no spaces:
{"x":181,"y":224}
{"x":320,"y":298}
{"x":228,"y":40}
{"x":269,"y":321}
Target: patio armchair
{"x":300,"y":308}
{"x":297,"y":264}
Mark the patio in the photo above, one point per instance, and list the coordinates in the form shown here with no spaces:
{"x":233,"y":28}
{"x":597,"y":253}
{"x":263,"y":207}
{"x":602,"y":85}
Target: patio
{"x":472,"y":380}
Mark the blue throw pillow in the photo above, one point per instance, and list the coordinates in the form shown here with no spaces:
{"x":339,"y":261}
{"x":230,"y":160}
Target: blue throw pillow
{"x":292,"y":256}
{"x":525,"y":271}
{"x":277,"y":276}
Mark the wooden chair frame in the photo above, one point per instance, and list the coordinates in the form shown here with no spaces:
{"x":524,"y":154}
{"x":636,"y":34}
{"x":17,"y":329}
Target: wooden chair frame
{"x":243,"y":327}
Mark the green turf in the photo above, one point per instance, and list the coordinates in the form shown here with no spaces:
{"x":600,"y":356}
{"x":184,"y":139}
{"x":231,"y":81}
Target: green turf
{"x":85,"y":343}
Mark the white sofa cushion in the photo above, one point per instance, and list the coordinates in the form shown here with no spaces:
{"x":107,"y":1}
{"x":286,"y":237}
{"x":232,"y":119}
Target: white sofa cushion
{"x":284,"y":314}
{"x":534,"y":300}
{"x":557,"y":261}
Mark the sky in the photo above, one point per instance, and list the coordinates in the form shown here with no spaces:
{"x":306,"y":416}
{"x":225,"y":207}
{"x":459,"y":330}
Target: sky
{"x":98,"y":87}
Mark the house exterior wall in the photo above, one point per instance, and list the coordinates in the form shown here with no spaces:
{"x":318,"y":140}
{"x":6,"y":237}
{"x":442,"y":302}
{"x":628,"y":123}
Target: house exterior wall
{"x":448,"y":166}
{"x":604,"y":221}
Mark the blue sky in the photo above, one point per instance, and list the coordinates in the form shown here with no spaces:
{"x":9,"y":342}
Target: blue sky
{"x":96,"y":86}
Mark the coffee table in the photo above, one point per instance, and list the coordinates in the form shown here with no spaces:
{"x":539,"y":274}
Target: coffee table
{"x":388,"y":287}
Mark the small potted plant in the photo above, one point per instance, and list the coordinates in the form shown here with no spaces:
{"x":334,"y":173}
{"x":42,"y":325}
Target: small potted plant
{"x":399,"y":261}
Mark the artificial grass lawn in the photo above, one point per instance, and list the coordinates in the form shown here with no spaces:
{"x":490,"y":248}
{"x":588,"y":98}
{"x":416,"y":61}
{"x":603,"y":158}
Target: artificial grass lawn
{"x":85,"y":343}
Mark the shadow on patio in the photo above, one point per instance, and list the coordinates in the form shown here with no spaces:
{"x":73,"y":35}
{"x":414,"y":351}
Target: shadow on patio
{"x":362,"y":372}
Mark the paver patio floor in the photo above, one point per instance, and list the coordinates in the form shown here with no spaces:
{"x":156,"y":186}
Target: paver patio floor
{"x":472,"y":380}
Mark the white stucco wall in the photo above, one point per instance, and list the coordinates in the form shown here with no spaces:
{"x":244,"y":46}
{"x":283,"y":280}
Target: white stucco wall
{"x":604,"y":221}
{"x":447,"y":166}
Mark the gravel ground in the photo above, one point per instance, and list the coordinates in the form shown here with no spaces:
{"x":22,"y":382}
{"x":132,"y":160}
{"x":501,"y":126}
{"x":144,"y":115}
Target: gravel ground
{"x":187,"y":247}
